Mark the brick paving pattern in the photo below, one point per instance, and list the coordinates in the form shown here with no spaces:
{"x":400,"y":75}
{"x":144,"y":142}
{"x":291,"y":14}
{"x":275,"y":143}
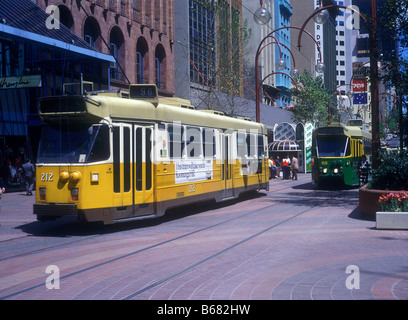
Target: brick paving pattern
{"x":291,"y":243}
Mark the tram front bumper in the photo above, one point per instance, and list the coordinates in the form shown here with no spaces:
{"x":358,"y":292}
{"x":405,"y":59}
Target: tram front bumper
{"x":50,"y":211}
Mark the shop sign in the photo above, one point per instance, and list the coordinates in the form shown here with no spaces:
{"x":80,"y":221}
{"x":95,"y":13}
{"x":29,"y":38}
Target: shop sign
{"x":32,"y":81}
{"x":359,"y":85}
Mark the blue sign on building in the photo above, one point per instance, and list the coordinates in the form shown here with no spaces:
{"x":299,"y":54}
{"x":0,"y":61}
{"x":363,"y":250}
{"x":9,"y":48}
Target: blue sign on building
{"x":360,"y":98}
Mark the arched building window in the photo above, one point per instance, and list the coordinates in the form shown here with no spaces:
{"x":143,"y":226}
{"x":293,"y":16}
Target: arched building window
{"x":160,"y":66}
{"x":92,"y":33}
{"x":66,"y":17}
{"x":142,"y":61}
{"x":117,"y":50}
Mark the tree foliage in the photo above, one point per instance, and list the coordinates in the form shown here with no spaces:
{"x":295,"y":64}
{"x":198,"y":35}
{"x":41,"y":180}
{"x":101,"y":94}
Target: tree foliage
{"x":392,"y":174}
{"x":312,"y":99}
{"x":393,"y":19}
{"x":393,"y":22}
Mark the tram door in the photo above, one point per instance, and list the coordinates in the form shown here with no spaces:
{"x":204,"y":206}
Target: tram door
{"x":226,"y":176}
{"x":122,"y":170}
{"x":143,"y":170}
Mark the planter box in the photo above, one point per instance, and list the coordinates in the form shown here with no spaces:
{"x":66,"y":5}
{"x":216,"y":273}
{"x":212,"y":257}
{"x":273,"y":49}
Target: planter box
{"x":368,"y":199}
{"x":391,"y":220}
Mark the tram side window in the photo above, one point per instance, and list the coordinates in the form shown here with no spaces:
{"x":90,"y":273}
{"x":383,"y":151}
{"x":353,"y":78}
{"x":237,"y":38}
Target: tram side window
{"x":126,"y":159}
{"x":208,"y":143}
{"x":193,"y":142}
{"x":176,"y":141}
{"x":116,"y":159}
{"x":148,"y":153}
{"x":100,"y":148}
{"x":261,"y":149}
{"x":241,"y":144}
{"x":367,"y":148}
{"x":348,"y":148}
{"x":250,"y":142}
{"x":139,"y":159}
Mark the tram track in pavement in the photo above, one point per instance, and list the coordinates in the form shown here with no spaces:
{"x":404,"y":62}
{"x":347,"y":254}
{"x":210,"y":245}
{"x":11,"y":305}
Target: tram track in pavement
{"x":274,"y":188}
{"x":121,"y":256}
{"x":210,"y":257}
{"x":155,"y":245}
{"x":75,"y":241}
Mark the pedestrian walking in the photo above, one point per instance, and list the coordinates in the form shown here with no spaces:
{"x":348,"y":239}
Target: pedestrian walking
{"x":272,"y":169}
{"x":363,"y":170}
{"x":286,"y":167}
{"x":270,"y":165}
{"x":295,"y":167}
{"x":278,"y":166}
{"x":28,"y":171}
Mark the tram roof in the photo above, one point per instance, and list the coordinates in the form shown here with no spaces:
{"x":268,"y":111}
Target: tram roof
{"x":117,"y":106}
{"x":348,"y":130}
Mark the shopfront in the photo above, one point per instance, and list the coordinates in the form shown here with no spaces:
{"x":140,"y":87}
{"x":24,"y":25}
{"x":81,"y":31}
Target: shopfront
{"x":35,"y":62}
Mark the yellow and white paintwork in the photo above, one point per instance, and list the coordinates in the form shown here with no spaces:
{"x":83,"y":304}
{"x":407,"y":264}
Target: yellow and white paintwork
{"x":98,"y":202}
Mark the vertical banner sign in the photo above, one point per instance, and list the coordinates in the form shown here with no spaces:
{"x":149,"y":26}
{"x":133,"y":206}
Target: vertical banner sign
{"x":308,"y":145}
{"x":319,"y":38}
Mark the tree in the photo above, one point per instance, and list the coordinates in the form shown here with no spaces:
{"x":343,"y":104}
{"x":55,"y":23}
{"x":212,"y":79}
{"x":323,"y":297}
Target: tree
{"x":394,"y":23}
{"x":311,"y":99}
{"x":390,"y":124}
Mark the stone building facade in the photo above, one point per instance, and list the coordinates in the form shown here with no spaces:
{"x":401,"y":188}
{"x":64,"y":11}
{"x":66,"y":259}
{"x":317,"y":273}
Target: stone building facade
{"x":138,"y":33}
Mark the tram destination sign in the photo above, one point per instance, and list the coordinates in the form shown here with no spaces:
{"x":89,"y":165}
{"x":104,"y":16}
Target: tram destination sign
{"x":330,"y":130}
{"x":143,"y":91}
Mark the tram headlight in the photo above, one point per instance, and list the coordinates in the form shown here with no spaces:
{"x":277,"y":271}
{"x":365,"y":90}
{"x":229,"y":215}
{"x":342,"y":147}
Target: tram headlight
{"x":64,"y":176}
{"x":74,"y":177}
{"x":75,"y":194}
{"x":336,"y":170}
{"x":325,"y":170}
{"x":43,"y":193}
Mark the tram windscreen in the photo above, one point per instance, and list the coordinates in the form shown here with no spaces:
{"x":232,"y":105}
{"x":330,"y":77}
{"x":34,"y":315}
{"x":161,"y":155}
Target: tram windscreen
{"x":332,"y":146}
{"x":74,"y":145}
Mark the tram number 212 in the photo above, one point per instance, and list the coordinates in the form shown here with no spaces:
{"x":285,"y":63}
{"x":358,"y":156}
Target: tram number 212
{"x":47,"y":177}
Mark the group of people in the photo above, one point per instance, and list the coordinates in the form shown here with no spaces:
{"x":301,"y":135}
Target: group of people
{"x":16,"y":169}
{"x":27,"y":170}
{"x":289,"y":167}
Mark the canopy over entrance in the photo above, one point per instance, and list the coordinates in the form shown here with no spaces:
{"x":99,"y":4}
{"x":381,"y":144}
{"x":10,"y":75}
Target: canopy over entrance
{"x":284,"y":146}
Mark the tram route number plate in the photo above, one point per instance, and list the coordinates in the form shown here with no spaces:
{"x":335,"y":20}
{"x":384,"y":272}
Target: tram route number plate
{"x":47,"y":177}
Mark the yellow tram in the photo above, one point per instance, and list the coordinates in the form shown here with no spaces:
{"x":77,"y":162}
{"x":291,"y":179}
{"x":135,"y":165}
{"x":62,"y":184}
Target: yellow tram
{"x":115,"y":157}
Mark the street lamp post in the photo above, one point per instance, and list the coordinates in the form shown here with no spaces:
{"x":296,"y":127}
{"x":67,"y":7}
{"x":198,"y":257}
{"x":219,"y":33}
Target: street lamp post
{"x":373,"y":68}
{"x":280,"y":65}
{"x":260,"y":17}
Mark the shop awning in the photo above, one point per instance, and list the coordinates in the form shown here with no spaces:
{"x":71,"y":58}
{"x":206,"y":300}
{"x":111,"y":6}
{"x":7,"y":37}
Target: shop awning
{"x":284,"y":146}
{"x":25,"y":21}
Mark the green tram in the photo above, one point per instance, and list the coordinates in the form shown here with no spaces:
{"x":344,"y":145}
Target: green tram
{"x":336,"y":153}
